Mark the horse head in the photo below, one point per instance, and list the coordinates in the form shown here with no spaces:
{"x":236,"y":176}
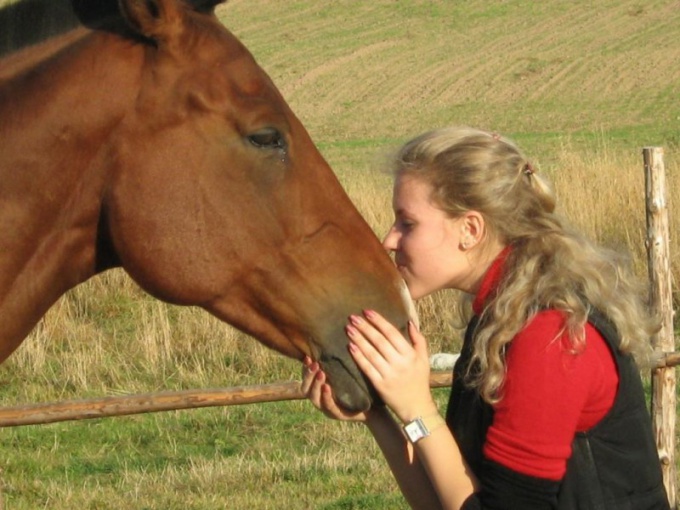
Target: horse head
{"x":219,"y":198}
{"x":158,"y":144}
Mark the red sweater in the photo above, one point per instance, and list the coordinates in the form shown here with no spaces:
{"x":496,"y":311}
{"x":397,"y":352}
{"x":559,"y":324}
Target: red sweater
{"x":549,"y":392}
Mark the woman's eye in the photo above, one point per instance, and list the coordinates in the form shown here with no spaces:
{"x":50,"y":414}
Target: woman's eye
{"x":406,"y":225}
{"x":268,"y":138}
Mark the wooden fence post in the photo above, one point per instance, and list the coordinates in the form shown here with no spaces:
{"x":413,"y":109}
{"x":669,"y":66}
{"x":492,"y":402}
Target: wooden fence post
{"x":661,"y":302}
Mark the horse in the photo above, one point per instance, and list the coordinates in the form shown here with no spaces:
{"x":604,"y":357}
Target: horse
{"x":142,"y":134}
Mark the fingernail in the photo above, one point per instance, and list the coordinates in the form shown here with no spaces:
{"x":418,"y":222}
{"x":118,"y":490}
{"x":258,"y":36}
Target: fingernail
{"x":319,"y":376}
{"x":355,"y":319}
{"x":352,"y":347}
{"x":370,"y":314}
{"x":351,"y":330}
{"x":306,"y":361}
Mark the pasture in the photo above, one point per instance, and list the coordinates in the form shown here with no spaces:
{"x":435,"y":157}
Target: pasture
{"x":581,"y":86}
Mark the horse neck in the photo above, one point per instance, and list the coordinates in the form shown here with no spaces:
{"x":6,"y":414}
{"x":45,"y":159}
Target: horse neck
{"x":57,"y":113}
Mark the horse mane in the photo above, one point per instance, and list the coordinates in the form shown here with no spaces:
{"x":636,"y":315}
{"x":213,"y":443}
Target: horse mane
{"x":27,"y":22}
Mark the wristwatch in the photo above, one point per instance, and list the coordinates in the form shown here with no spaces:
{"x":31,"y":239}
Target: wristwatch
{"x":422,"y":427}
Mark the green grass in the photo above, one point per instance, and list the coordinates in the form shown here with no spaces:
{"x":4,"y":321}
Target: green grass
{"x":520,"y":68}
{"x":581,"y":86}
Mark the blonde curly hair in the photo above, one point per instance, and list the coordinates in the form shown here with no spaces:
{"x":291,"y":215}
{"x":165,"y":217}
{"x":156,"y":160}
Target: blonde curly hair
{"x":550,"y":265}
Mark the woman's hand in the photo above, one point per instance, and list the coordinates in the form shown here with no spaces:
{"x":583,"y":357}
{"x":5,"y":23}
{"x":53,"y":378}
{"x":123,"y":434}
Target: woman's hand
{"x":398,"y":369}
{"x":316,"y":389}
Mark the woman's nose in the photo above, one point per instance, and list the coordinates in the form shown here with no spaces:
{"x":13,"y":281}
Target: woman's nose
{"x":390,"y":240}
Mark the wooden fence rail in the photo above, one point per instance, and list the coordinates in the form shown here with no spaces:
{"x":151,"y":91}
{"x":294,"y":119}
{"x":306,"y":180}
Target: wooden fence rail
{"x":103,"y":407}
{"x":69,"y":410}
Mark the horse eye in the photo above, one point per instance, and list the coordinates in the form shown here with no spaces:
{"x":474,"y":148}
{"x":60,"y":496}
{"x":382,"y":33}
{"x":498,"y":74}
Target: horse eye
{"x":268,"y":138}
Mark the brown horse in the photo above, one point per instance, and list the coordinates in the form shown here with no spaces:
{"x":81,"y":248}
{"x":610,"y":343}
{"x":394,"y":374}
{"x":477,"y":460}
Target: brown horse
{"x":142,"y":134}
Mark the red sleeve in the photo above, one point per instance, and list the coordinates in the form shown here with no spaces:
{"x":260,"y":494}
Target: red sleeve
{"x":549,"y":394}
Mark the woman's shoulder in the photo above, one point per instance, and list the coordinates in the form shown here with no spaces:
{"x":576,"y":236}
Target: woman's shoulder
{"x":547,"y":331}
{"x":543,"y":329}
{"x":546,"y":319}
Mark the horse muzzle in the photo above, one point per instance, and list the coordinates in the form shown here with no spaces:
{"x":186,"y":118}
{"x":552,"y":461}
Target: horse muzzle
{"x":351,"y":389}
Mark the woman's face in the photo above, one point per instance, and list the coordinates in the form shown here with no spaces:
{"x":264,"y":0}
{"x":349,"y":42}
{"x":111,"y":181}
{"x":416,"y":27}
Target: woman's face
{"x":427,"y":242}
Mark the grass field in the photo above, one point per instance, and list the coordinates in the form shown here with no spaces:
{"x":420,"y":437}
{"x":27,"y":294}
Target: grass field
{"x":582,"y":86}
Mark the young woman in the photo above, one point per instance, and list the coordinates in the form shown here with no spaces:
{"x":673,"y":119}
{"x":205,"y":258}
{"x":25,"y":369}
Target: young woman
{"x":547,"y":408}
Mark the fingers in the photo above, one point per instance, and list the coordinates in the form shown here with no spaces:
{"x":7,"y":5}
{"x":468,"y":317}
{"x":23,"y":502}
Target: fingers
{"x":388,"y":330}
{"x":382,"y":337}
{"x":398,"y":370}
{"x":378,"y":345}
{"x":417,"y":339}
{"x":368,"y":359}
{"x":307,"y":373}
{"x":312,"y":380}
{"x":314,"y":385}
{"x":372,"y":351}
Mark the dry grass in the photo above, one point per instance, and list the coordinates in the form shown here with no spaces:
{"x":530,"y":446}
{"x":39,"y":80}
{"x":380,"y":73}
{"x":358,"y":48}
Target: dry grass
{"x":601,"y":191}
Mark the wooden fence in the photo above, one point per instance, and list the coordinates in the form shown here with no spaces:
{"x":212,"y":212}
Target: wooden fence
{"x":663,"y":402}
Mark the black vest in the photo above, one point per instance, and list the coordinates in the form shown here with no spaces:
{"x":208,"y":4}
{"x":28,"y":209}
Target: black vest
{"x":613,"y":466}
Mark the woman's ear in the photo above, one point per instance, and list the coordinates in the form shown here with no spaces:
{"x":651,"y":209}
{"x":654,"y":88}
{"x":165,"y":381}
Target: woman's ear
{"x":473,"y":229}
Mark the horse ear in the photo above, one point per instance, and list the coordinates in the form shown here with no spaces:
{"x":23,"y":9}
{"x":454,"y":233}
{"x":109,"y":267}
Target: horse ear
{"x":151,"y":18}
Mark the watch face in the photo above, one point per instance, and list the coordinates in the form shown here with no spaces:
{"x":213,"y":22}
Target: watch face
{"x":416,"y":430}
